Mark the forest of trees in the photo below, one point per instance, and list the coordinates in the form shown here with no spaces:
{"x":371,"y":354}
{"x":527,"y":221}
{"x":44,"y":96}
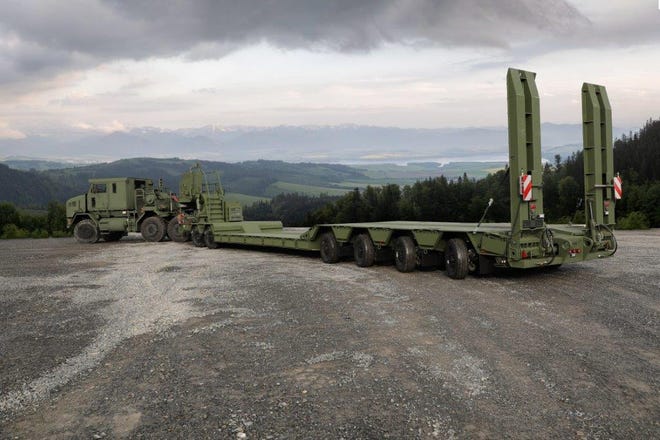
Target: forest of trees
{"x":636,"y":156}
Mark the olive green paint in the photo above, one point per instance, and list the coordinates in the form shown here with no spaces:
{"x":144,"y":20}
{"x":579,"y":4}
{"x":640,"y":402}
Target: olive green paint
{"x":526,"y":242}
{"x":598,"y":157}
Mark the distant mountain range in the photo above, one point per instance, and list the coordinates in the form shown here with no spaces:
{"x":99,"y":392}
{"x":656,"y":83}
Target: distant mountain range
{"x":347,"y":144}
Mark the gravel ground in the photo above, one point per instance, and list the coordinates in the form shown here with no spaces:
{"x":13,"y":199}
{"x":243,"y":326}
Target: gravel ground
{"x":135,"y":339}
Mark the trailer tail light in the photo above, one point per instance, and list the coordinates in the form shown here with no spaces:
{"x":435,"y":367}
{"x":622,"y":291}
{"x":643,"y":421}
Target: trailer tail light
{"x":524,"y":254}
{"x":574,"y":252}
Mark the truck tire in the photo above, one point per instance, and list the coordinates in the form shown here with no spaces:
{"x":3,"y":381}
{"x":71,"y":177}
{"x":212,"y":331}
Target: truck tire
{"x":364,"y":250}
{"x":86,"y":231}
{"x":405,"y":258}
{"x":209,"y":240}
{"x":175,"y":231}
{"x":329,"y":248}
{"x":456,"y":259}
{"x":153,"y":229}
{"x":197,"y":238}
{"x":113,"y":236}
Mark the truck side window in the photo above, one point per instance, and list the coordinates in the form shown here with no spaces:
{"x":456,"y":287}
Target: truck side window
{"x":99,"y":188}
{"x":114,"y":188}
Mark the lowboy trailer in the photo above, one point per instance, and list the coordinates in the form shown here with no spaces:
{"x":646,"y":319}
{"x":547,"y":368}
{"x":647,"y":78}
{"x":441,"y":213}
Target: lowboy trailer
{"x":462,"y":248}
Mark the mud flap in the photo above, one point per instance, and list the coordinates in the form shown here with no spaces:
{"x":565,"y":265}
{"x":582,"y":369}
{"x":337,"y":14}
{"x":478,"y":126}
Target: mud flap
{"x":486,"y":265}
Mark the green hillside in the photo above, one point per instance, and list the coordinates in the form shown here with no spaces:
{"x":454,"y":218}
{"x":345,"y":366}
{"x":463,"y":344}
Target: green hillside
{"x":247,"y":182}
{"x":27,"y":189}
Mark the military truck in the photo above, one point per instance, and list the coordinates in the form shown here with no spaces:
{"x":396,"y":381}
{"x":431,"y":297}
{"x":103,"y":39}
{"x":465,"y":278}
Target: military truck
{"x":462,"y":248}
{"x":113,"y":207}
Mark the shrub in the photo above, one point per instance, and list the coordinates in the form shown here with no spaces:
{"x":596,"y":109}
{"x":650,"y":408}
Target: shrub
{"x":634,"y":220}
{"x":12,"y":231}
{"x":39,"y":233}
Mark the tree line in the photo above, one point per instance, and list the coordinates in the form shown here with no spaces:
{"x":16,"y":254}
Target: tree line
{"x":17,"y":224}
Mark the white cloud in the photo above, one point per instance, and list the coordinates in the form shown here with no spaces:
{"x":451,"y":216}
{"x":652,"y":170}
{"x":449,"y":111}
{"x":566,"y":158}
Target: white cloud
{"x":6,"y":132}
{"x":110,"y":127}
{"x":405,"y":63}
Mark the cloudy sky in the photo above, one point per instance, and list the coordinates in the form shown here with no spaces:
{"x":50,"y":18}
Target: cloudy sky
{"x":106,"y":65}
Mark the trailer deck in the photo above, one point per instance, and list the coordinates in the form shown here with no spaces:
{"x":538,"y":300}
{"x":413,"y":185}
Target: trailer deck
{"x":491,"y":239}
{"x":527,"y":241}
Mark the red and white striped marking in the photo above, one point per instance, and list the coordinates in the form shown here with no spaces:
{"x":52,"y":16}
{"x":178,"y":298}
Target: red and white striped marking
{"x":618,"y":190}
{"x":526,"y":187}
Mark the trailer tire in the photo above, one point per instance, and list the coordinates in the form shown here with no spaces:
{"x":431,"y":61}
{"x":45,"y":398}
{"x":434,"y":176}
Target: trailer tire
{"x":329,"y":248}
{"x":364,"y":250}
{"x":209,"y":240}
{"x":86,"y":231}
{"x":456,"y":259}
{"x":404,"y":254}
{"x":197,"y":238}
{"x":175,"y":231}
{"x":153,"y":229}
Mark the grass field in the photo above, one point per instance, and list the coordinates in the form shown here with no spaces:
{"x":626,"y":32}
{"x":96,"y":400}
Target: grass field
{"x":409,"y":173}
{"x":382,"y":174}
{"x":244,"y":199}
{"x":310,"y":190}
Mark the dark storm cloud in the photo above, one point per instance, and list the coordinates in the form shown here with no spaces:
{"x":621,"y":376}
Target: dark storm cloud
{"x":47,"y":36}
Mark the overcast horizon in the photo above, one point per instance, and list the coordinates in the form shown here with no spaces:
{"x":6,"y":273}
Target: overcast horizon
{"x":94,"y":66}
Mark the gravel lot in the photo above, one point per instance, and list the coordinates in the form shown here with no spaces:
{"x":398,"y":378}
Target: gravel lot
{"x":135,"y":339}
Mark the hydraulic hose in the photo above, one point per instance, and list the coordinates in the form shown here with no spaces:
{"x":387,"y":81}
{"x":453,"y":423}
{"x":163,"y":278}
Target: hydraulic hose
{"x":613,"y":238}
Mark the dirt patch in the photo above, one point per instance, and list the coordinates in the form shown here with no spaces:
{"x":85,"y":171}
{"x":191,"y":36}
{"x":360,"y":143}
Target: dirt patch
{"x":135,"y":339}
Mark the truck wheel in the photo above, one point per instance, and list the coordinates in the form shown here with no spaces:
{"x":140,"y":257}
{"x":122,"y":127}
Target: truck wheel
{"x":364,"y":251}
{"x":197,"y":238}
{"x":113,"y":236}
{"x":86,"y":232}
{"x":175,"y":231}
{"x":209,"y":240}
{"x":153,"y":229}
{"x":329,"y":248}
{"x":404,"y":254}
{"x":456,"y":259}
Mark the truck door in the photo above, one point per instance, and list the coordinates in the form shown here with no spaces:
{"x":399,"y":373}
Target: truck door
{"x":116,"y":196}
{"x":99,"y":197}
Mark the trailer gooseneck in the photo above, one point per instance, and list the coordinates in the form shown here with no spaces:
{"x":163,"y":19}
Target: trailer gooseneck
{"x":462,"y":248}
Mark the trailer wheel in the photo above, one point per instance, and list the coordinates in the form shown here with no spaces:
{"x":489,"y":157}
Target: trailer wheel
{"x":86,"y":232}
{"x":197,"y":238}
{"x":175,"y":231}
{"x":364,"y":251}
{"x":329,"y":248}
{"x":153,"y":229}
{"x":456,"y":259}
{"x":209,"y":240}
{"x":113,"y":236}
{"x":404,"y":254}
